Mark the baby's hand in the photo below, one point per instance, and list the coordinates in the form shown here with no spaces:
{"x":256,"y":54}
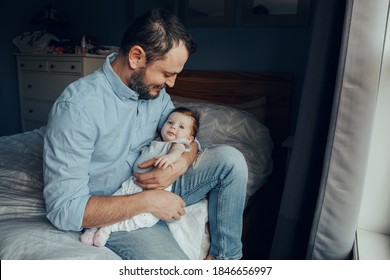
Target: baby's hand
{"x":165,"y":161}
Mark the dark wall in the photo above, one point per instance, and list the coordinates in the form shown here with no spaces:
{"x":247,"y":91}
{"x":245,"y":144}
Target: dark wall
{"x":105,"y":19}
{"x":278,"y":49}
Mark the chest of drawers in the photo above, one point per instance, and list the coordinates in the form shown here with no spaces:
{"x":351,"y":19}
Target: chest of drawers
{"x":42,"y":78}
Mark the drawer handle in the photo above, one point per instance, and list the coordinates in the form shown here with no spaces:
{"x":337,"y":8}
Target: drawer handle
{"x":29,"y":86}
{"x":40,"y":66}
{"x":22,"y":65}
{"x":30,"y":110}
{"x":72,"y":67}
{"x":52,"y":66}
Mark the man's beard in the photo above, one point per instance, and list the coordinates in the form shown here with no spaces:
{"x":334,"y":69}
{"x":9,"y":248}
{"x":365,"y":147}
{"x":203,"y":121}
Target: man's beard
{"x":138,"y":85}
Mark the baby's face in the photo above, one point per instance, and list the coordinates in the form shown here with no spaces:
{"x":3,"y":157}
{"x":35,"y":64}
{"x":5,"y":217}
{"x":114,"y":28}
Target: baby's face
{"x":177,"y":126}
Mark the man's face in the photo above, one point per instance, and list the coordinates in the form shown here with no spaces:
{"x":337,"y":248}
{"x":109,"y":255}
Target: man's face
{"x":145,"y":91}
{"x":148,"y":81}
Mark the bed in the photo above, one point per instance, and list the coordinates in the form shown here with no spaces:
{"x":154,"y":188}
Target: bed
{"x":247,"y":110}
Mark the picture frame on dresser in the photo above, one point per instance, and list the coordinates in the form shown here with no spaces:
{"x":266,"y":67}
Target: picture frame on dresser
{"x":43,"y":77}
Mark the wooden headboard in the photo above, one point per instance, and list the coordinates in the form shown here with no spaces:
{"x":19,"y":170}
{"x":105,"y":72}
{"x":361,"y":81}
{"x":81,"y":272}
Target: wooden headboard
{"x":233,"y":87}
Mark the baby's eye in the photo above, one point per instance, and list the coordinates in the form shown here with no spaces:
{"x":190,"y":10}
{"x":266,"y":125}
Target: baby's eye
{"x":182,"y":127}
{"x":169,"y":122}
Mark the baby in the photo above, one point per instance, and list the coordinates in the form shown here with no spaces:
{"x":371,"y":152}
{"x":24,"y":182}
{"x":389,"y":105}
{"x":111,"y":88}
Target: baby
{"x":177,"y":133}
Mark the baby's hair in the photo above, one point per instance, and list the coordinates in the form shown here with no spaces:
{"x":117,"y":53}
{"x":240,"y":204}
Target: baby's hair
{"x":192,"y":114}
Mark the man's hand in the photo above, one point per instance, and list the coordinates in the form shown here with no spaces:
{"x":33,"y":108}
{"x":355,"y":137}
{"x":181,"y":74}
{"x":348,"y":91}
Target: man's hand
{"x":165,"y":205}
{"x":158,"y":178}
{"x":107,"y":210}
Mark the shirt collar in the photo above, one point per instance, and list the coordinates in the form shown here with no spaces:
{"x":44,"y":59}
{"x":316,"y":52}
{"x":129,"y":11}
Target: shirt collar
{"x":121,"y":90}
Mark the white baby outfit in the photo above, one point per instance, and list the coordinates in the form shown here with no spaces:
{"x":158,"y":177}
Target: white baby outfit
{"x":99,"y":237}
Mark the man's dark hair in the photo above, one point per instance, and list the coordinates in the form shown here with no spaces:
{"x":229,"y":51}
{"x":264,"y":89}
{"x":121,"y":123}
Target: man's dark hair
{"x":156,"y":32}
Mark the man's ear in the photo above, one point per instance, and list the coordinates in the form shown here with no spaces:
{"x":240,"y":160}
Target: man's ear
{"x":137,"y":57}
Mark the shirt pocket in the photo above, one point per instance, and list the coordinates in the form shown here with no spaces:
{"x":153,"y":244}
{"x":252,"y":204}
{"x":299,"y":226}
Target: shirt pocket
{"x":147,"y":131}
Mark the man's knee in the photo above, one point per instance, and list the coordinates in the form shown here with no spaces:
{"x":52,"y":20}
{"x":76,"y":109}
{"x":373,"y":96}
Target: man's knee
{"x":231,"y":157}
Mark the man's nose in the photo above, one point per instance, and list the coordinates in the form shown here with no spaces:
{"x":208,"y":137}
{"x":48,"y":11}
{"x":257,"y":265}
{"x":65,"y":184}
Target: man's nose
{"x":170,"y":82}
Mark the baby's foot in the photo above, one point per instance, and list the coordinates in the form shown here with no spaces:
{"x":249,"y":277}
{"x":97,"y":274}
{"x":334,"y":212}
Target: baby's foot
{"x":87,"y":236}
{"x":101,"y":237}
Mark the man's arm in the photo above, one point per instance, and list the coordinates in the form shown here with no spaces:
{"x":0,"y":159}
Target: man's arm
{"x":160,"y":179}
{"x":106,"y":210}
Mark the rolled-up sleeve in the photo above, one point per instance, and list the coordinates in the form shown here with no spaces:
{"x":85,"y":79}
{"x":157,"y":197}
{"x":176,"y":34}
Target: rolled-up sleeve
{"x":68,"y":146}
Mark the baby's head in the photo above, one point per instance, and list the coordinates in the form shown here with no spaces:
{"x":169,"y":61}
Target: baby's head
{"x":181,"y":123}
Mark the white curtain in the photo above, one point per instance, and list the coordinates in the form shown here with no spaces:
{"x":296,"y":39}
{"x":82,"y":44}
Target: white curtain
{"x":323,"y":191}
{"x":346,"y":157}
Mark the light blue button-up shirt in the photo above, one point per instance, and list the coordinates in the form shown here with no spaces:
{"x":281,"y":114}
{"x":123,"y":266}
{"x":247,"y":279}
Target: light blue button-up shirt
{"x":96,"y":131}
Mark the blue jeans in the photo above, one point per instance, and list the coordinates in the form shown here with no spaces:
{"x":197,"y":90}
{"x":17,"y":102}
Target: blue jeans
{"x":221,"y":175}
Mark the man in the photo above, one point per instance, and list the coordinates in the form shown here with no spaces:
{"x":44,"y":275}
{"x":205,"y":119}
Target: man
{"x":96,"y":131}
